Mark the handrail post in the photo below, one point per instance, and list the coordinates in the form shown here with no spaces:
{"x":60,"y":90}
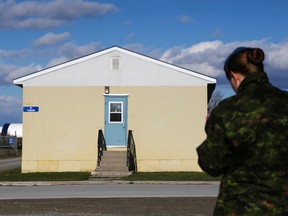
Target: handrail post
{"x":131,"y":153}
{"x":101,"y":145}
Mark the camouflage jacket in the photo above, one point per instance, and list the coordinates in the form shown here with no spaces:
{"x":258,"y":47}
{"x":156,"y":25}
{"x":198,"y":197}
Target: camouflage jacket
{"x":247,"y":143}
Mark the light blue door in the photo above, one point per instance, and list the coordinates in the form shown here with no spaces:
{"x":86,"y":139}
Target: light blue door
{"x":115,"y":120}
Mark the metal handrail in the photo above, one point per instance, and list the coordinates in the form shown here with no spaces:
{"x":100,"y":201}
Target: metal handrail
{"x":131,"y":153}
{"x":101,"y":146}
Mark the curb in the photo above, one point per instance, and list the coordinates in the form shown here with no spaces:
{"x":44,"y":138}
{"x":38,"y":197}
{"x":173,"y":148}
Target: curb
{"x":112,"y":182}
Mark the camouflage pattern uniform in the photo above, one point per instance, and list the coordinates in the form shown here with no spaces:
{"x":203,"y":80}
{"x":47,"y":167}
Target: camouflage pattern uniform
{"x":247,"y":143}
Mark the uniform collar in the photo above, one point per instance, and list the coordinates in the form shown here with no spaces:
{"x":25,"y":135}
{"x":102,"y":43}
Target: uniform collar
{"x":253,"y":80}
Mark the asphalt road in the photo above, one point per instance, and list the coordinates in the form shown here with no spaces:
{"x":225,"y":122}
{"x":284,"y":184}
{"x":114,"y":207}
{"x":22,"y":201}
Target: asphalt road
{"x":10,"y":163}
{"x":105,"y":199}
{"x":163,"y":206}
{"x":108,"y":200}
{"x":108,"y":191}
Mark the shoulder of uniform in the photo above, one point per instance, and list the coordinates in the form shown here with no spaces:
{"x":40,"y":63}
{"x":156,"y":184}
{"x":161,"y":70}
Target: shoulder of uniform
{"x":226,"y":103}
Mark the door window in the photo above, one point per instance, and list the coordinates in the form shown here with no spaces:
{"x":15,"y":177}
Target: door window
{"x":115,"y":112}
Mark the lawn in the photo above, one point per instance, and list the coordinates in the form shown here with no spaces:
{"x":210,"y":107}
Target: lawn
{"x":16,"y":175}
{"x":170,"y":176}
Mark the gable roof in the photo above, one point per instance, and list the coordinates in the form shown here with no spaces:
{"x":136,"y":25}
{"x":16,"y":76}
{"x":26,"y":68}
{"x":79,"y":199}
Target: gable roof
{"x":23,"y":79}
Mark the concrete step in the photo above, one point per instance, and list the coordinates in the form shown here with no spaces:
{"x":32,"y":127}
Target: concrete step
{"x":96,"y":174}
{"x":113,"y":161}
{"x":111,"y":169}
{"x":114,"y":154}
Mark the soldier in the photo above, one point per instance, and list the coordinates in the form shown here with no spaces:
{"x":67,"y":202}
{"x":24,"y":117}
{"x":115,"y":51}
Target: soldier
{"x":247,"y":141}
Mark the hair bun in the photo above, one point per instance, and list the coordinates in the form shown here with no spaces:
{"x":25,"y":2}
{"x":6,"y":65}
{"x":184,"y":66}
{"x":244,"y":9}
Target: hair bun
{"x":256,"y":56}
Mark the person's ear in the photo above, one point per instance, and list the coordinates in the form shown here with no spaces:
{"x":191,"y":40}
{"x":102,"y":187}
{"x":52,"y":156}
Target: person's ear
{"x":235,"y":80}
{"x":233,"y":74}
{"x":236,"y":77}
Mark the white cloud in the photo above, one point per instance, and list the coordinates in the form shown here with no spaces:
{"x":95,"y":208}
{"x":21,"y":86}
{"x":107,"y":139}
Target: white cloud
{"x":208,"y":57}
{"x":7,"y":103}
{"x":202,"y":57}
{"x":130,"y":36}
{"x":10,"y":72}
{"x":136,"y":47}
{"x":180,"y":54}
{"x":126,"y":23}
{"x":149,"y":51}
{"x":58,"y":60}
{"x":10,"y":109}
{"x":218,"y":33}
{"x":184,"y":19}
{"x":71,"y":51}
{"x":53,"y":56}
{"x":47,"y":14}
{"x":15,"y":54}
{"x":51,"y":39}
{"x":277,"y":55}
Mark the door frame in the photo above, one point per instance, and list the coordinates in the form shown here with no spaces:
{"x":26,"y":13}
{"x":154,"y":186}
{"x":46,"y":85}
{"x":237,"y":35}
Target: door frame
{"x":117,"y":98}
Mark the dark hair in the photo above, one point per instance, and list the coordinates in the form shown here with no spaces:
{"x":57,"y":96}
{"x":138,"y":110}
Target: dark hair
{"x":244,"y":60}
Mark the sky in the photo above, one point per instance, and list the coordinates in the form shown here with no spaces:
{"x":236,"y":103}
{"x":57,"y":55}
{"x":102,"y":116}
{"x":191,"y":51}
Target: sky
{"x":195,"y":34}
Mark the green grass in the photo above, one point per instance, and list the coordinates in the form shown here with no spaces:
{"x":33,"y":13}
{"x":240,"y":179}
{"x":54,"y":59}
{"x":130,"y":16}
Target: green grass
{"x":16,"y":175}
{"x":170,"y":176}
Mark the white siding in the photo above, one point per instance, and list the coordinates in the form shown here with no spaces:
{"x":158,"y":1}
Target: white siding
{"x":135,"y":70}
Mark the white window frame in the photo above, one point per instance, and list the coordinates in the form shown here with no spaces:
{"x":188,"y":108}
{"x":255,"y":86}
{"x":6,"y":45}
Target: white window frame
{"x":109,"y":112}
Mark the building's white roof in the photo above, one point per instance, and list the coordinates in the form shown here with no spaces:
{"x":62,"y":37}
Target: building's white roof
{"x":14,"y":129}
{"x":96,"y":70}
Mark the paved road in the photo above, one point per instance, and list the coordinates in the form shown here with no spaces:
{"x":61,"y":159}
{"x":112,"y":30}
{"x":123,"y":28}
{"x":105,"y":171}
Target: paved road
{"x":10,"y":163}
{"x":105,"y":199}
{"x":177,"y":206}
{"x":108,"y":200}
{"x":108,"y":191}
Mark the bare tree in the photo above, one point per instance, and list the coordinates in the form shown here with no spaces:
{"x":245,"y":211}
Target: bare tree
{"x":214,"y":100}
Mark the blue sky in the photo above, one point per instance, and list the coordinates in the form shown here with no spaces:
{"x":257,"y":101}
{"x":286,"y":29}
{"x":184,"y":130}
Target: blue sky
{"x":196,"y":34}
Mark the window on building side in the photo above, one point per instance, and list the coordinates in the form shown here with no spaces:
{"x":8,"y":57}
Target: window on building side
{"x":115,"y":64}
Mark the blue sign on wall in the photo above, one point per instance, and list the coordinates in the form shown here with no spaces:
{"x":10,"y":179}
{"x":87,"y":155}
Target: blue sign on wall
{"x":30,"y":109}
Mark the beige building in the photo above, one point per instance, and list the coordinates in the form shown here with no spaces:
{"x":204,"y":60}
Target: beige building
{"x":114,"y":90}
